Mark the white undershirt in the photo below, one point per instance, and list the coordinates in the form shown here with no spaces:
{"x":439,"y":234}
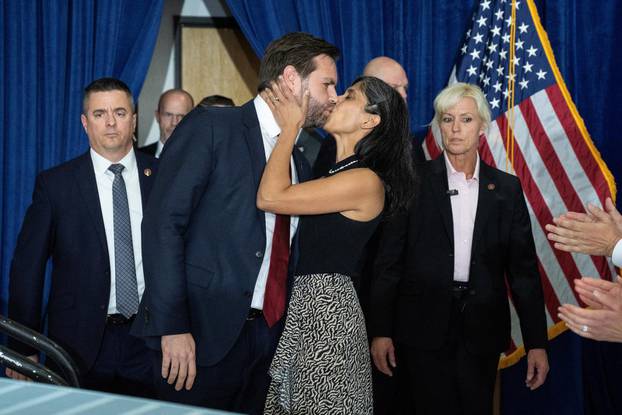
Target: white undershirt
{"x":159,"y":148}
{"x":463,"y":212}
{"x":616,"y":256}
{"x":104,"y":179}
{"x":269,"y":132}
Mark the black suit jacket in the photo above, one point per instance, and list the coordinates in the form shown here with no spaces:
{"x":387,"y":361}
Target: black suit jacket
{"x":203,"y":237}
{"x":64,"y":223}
{"x":150,"y":149}
{"x":412,"y":290}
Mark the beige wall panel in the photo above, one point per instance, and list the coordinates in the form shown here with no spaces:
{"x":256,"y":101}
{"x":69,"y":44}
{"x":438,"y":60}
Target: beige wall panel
{"x":217,"y":61}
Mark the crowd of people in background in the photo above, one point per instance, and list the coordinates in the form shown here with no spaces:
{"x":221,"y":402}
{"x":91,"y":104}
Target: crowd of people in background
{"x":243,"y":262}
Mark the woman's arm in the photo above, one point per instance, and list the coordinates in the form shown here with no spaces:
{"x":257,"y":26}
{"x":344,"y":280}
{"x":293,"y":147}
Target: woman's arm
{"x":358,"y":192}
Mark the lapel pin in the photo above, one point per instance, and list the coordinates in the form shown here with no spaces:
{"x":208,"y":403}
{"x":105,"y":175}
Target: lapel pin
{"x":491,"y":186}
{"x":148,"y":173}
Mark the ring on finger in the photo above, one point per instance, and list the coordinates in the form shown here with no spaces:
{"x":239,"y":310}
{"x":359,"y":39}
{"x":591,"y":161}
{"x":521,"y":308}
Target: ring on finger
{"x":584,"y":328}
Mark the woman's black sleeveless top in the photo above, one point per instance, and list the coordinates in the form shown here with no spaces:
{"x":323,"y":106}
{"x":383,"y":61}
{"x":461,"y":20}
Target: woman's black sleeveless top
{"x":333,"y":243}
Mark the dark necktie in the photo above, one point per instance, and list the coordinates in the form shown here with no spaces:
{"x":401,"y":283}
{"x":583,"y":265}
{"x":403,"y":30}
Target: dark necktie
{"x":276,"y":285}
{"x":126,"y":289}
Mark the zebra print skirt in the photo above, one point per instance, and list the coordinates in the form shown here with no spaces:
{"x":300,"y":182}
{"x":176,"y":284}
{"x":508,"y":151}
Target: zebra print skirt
{"x":322,"y":363}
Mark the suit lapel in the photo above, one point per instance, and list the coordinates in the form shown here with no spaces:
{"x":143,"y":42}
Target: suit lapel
{"x":85,"y":177}
{"x":254,"y":142}
{"x":440,"y":186}
{"x":252,"y":135}
{"x":303,"y":170}
{"x":485,"y":201}
{"x":146,"y":174}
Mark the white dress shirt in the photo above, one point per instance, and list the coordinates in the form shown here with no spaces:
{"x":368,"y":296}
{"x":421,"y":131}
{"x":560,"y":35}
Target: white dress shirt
{"x":104,"y":179}
{"x":269,"y":131}
{"x":463,"y":211}
{"x":616,"y":256}
{"x":159,"y":149}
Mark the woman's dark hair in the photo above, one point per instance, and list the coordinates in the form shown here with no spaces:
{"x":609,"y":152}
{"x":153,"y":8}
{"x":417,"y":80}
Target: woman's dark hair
{"x":387,"y":149}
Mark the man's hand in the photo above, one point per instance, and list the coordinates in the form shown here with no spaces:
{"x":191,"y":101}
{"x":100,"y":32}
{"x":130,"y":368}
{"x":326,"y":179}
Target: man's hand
{"x":178,"y":360}
{"x":595,"y":233}
{"x":537,"y":368}
{"x":18,"y":376}
{"x":383,"y":353}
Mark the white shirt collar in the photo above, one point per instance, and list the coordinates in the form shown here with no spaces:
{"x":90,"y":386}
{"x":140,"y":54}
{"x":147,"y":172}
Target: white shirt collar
{"x":267,"y":123}
{"x":101,"y":164}
{"x":452,"y":171}
{"x":159,"y":148}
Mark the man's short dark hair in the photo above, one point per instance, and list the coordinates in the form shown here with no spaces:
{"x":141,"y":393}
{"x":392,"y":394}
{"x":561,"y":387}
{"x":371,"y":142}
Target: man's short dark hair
{"x":216,"y":101}
{"x":297,"y":49}
{"x":104,"y":85}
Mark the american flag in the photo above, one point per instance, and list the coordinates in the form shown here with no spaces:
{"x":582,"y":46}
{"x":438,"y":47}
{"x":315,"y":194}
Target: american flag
{"x":536,"y":134}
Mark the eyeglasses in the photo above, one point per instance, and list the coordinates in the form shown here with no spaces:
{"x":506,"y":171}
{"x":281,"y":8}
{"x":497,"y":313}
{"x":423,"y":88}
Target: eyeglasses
{"x":169,"y":115}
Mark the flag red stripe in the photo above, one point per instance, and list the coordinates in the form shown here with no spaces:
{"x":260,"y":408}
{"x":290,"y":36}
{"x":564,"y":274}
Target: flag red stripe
{"x":431,"y":145}
{"x":584,"y":156}
{"x":549,"y":157}
{"x":576,"y":140}
{"x":551,"y":299}
{"x":550,"y":296}
{"x":540,"y":209}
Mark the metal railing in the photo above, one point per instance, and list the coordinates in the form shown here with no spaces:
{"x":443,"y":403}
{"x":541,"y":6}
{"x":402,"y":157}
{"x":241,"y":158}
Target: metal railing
{"x":33,"y":370}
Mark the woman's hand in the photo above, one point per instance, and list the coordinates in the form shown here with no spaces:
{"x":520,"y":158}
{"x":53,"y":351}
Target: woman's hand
{"x":289,"y":114}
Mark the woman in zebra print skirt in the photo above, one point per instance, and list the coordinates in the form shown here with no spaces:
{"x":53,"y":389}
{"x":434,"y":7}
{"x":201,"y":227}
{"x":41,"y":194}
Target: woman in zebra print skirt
{"x":322,"y":363}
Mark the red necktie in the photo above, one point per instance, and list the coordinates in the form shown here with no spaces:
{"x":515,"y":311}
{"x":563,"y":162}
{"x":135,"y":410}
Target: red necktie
{"x":276,"y":285}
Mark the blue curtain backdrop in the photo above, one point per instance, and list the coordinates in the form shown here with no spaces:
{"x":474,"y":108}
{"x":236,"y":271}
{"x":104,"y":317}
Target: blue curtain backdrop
{"x":424,"y":36}
{"x":49,"y":51}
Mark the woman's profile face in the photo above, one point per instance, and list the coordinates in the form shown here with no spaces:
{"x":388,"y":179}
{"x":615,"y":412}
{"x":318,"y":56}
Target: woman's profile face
{"x":349,"y":114}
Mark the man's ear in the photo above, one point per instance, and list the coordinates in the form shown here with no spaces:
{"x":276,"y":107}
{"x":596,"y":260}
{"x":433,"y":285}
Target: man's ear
{"x":292,"y":79}
{"x":83,"y":120}
{"x":371,"y":121}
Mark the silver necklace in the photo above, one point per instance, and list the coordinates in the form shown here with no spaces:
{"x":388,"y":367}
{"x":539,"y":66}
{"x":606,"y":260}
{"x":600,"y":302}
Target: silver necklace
{"x":331,"y":171}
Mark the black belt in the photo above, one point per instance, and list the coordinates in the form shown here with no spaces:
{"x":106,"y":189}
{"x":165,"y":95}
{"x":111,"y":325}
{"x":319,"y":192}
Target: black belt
{"x":253,"y":313}
{"x":459,"y":291}
{"x":119,"y":319}
{"x":459,"y":286}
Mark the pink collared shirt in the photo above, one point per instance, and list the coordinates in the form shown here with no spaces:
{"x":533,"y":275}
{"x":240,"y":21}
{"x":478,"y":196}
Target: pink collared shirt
{"x":463,"y":210}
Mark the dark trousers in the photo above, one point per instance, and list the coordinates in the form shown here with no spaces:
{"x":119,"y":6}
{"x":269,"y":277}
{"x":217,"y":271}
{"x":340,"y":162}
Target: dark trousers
{"x":385,"y":391}
{"x":449,"y":381}
{"x":239,"y":382}
{"x":123,"y":365}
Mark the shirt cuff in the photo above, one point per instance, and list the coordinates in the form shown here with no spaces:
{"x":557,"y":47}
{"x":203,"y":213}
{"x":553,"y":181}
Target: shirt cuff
{"x":616,"y":256}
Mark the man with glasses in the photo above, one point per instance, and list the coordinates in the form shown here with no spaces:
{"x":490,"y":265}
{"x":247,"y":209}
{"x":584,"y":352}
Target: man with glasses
{"x":173,"y":105}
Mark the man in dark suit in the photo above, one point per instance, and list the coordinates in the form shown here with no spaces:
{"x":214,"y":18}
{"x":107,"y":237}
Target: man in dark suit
{"x":85,"y":215}
{"x":439,"y":296}
{"x":173,"y":105}
{"x":214,"y":297}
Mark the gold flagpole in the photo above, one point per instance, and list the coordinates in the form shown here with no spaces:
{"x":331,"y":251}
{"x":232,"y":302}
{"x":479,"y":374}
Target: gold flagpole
{"x":509,"y":154}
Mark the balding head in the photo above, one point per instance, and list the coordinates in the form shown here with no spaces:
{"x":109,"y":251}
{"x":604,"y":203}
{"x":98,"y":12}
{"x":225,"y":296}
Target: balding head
{"x":173,"y":105}
{"x":390,"y":71}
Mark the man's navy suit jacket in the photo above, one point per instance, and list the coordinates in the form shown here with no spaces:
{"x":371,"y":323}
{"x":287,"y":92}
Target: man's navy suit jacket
{"x":64,"y":223}
{"x":203,"y":237}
